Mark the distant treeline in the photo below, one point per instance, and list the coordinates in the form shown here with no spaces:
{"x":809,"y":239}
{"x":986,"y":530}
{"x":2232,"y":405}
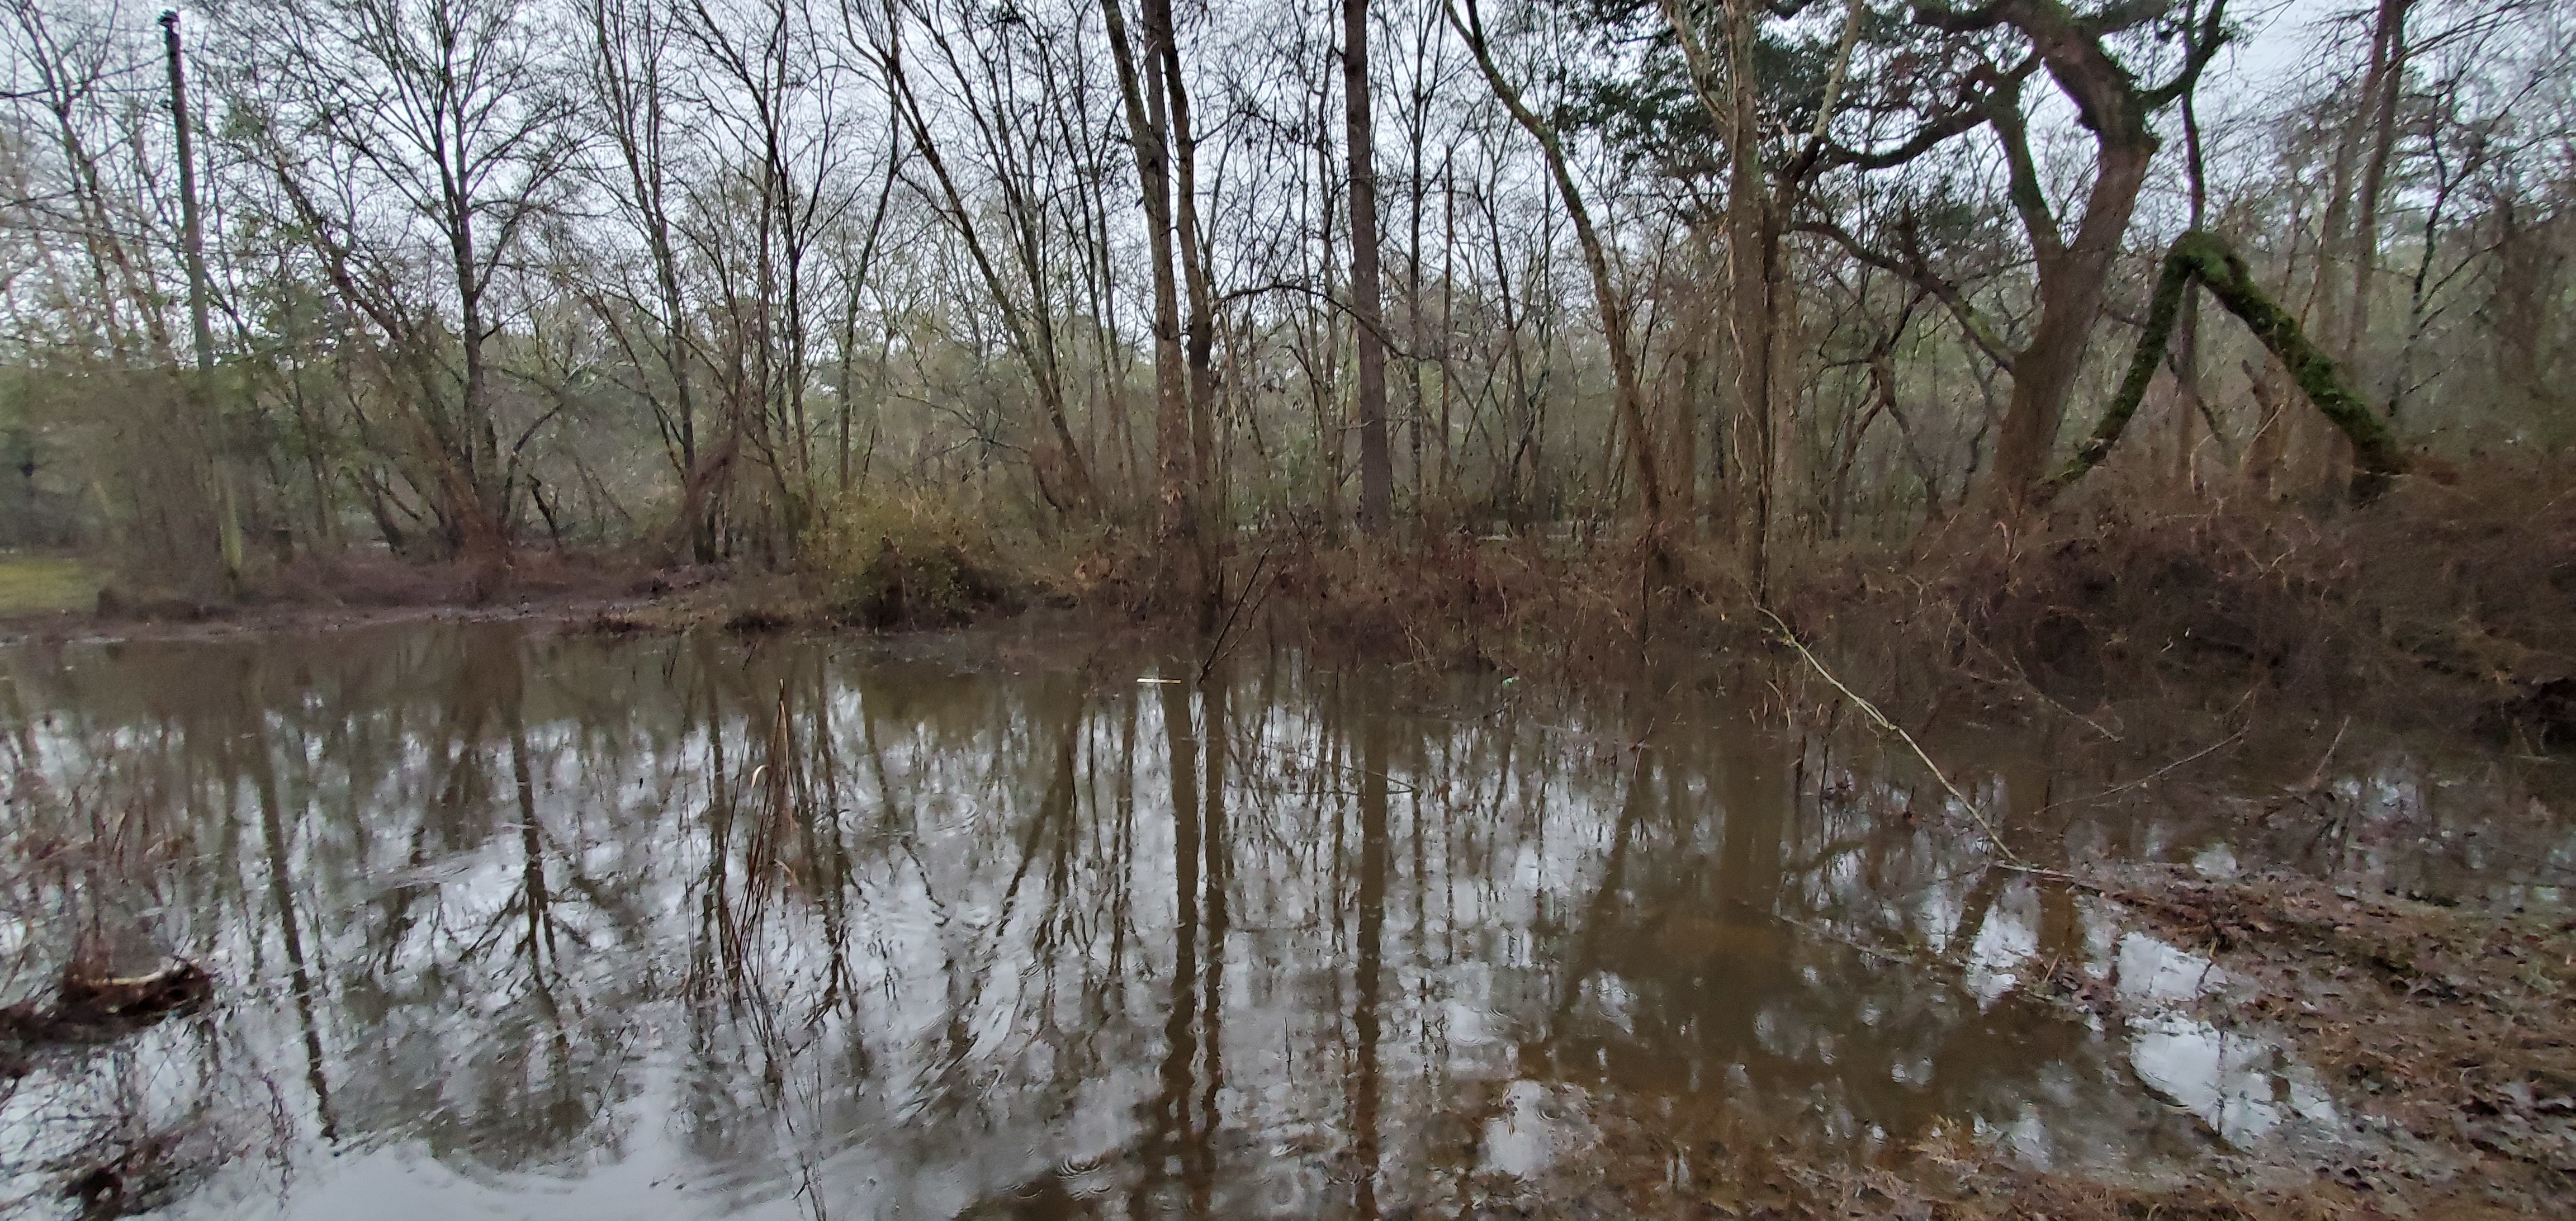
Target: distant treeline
{"x":459,"y":276}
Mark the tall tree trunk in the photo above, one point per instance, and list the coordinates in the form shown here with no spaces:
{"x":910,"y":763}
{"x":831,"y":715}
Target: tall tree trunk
{"x":1448,"y":483}
{"x":1417,"y":406}
{"x":1199,"y":350}
{"x":634,"y":98}
{"x":2380,"y":91}
{"x":192,"y":235}
{"x":2189,"y":402}
{"x":1175,"y":519}
{"x":2072,"y":285}
{"x":472,"y":501}
{"x":1377,"y":476}
{"x":1753,"y":247}
{"x":1324,"y":379}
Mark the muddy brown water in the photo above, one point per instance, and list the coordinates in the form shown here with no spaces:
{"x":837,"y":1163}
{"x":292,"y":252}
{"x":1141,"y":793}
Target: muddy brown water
{"x":511,"y":923}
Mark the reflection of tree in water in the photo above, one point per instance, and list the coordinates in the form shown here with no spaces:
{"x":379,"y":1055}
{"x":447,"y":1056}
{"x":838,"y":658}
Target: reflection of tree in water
{"x":809,"y":932}
{"x":1681,"y":983}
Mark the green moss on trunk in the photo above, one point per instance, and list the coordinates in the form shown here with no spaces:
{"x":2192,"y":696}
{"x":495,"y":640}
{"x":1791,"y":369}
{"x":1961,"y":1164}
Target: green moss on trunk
{"x":2205,"y":258}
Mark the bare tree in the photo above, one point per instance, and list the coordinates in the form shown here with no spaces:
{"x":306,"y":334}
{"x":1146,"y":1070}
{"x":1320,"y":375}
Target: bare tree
{"x":1607,"y":297}
{"x":412,"y":136}
{"x":1140,"y":89}
{"x":630,"y":66}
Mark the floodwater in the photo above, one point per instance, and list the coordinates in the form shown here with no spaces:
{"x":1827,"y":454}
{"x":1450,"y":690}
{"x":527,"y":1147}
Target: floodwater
{"x":510,"y":923}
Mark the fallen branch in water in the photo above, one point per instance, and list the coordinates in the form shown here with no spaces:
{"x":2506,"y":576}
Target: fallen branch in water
{"x":97,"y":1008}
{"x":1251,"y":584}
{"x":1869,"y":709}
{"x":2150,"y":777}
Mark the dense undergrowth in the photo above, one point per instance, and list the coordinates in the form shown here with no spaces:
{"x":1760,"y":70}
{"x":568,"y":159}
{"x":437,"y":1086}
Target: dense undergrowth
{"x":904,"y":561}
{"x":2438,"y":606}
{"x":2448,"y":605}
{"x":2441,"y":605}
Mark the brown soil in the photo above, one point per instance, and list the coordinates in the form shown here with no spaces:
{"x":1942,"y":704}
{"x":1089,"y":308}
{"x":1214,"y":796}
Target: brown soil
{"x":2452,"y":1031}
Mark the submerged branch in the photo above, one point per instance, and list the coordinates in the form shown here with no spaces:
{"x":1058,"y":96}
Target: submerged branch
{"x":1880,"y":719}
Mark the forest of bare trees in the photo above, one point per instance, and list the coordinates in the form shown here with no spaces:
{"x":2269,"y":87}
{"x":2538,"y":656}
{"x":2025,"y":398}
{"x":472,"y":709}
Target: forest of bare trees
{"x":461,"y":277}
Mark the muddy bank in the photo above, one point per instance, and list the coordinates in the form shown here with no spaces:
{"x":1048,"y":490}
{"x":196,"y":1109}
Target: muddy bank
{"x":2441,"y":1041}
{"x":2436,"y":611}
{"x":2450,"y":1033}
{"x":2444,"y":1036}
{"x":603,"y":594}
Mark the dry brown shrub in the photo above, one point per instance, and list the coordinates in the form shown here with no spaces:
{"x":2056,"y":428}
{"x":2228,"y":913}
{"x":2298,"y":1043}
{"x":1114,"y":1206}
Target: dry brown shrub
{"x":1579,"y":602}
{"x":362,"y":577}
{"x":2444,"y":606}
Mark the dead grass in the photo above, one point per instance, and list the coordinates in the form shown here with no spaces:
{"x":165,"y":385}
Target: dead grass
{"x":2443,"y":609}
{"x":37,"y":584}
{"x":361,"y":578}
{"x":884,"y":561}
{"x":2453,"y":1027}
{"x":1572,"y":605}
{"x":2436,"y":610}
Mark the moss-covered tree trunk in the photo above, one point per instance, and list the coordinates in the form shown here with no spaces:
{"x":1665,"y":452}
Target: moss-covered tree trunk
{"x":2206,"y":258}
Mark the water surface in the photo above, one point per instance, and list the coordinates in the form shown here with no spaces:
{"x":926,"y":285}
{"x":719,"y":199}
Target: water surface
{"x":511,"y":923}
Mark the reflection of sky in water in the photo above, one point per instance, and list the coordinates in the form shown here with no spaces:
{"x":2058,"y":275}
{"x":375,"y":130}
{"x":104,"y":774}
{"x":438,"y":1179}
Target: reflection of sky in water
{"x":1007,"y":952}
{"x":2242,"y":1086}
{"x":1536,"y":1125}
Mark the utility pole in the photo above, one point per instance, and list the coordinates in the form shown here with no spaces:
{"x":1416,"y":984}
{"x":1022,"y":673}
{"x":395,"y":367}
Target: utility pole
{"x":192,"y":237}
{"x":191,"y":233}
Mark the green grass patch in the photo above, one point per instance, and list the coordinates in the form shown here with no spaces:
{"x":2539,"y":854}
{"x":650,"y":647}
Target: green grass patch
{"x":31,"y":584}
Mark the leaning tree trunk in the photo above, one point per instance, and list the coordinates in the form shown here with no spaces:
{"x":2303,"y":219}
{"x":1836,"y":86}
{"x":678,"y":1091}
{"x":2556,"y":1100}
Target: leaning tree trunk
{"x":2206,"y":258}
{"x":1629,"y":394}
